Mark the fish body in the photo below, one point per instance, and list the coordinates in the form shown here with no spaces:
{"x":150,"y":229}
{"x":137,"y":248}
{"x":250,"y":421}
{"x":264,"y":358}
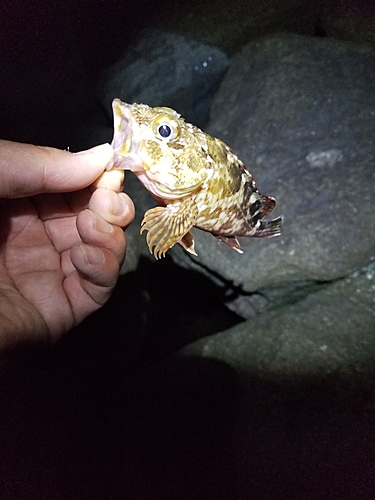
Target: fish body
{"x":197,"y":179}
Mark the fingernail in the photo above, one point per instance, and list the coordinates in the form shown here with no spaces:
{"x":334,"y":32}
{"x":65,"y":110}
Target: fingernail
{"x":100,"y":224}
{"x":119,"y":207}
{"x":102,"y":149}
{"x":92,"y":255}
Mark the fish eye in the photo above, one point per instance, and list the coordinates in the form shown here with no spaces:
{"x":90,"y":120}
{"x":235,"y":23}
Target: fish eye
{"x":165,"y":128}
{"x":164,"y":131}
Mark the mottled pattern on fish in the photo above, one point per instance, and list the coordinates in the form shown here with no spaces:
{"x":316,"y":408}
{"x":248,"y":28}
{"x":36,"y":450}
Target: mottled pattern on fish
{"x":197,"y":178}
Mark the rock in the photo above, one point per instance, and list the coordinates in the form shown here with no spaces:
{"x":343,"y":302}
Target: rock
{"x":300,"y":112}
{"x":304,"y":407}
{"x":329,"y":332}
{"x":165,"y":69}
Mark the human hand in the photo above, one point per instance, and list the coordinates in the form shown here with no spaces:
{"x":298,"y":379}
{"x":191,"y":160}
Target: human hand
{"x":61,"y":242}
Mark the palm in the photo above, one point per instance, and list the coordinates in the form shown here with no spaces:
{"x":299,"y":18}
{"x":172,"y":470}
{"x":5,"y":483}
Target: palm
{"x":41,"y":292}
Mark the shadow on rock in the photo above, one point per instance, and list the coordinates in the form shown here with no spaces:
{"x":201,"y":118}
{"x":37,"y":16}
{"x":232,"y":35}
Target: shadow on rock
{"x":155,"y":310}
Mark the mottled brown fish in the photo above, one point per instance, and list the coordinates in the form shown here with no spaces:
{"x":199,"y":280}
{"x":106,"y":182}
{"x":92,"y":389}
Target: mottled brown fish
{"x":198,"y":180}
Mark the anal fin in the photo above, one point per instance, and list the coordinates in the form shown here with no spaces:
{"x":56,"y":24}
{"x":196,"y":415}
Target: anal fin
{"x":231,"y":241}
{"x":168,"y":225}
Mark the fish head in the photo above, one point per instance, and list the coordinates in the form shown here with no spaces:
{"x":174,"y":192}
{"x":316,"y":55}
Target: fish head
{"x":168,"y":155}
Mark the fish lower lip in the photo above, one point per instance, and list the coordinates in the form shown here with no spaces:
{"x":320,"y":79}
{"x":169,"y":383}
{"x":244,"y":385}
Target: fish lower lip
{"x":126,"y":110}
{"x":122,"y":138}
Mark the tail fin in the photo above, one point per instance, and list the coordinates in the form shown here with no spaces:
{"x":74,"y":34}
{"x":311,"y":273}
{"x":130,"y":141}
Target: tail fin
{"x":268,"y":229}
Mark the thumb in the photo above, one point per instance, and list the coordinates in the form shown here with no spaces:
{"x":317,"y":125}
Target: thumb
{"x":27,"y":170}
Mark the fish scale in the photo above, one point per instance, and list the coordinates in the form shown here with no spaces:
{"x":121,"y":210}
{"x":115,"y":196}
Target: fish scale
{"x":197,"y":179}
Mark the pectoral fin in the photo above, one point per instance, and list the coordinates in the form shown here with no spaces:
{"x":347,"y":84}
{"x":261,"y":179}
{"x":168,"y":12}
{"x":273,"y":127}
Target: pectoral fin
{"x":187,"y":242}
{"x":168,"y":225}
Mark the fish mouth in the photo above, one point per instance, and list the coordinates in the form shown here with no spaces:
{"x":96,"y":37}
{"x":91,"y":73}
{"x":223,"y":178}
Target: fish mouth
{"x":124,"y":142}
{"x":121,"y":118}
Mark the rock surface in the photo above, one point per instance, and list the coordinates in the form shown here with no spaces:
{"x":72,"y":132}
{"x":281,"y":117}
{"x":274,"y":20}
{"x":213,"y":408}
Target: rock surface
{"x":300,"y":112}
{"x":329,"y":332}
{"x":165,"y":69}
{"x":305,"y":406}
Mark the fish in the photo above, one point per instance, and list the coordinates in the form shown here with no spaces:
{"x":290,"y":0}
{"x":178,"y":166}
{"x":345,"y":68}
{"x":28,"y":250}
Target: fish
{"x":197,"y":180}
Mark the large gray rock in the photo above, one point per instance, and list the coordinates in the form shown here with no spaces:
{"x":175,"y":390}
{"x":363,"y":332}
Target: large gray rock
{"x":300,"y":112}
{"x":166,"y":69}
{"x":304,"y":414}
{"x":330,"y":331}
